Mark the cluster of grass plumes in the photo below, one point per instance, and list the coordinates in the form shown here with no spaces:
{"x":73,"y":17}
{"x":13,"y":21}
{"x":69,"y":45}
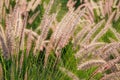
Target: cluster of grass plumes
{"x":59,"y":39}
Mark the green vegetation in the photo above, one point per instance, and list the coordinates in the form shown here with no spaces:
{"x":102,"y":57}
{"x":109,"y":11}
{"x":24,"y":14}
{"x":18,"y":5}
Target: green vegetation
{"x":33,"y":67}
{"x":116,"y":25}
{"x":109,"y":34}
{"x":63,"y":9}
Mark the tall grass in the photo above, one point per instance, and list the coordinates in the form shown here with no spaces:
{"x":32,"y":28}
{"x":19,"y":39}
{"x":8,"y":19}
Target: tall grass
{"x":59,"y":39}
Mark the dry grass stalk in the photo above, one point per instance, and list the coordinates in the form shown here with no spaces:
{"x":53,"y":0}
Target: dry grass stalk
{"x":92,"y":31}
{"x":1,"y":9}
{"x":29,"y":42}
{"x":91,"y":63}
{"x":112,"y":76}
{"x":15,"y":28}
{"x":59,"y":30}
{"x":108,"y":49}
{"x":56,"y":36}
{"x":62,"y":34}
{"x":81,"y":34}
{"x":30,"y":4}
{"x":117,"y":35}
{"x":36,"y":3}
{"x":3,"y":43}
{"x":68,"y":32}
{"x":117,"y":66}
{"x":45,"y":16}
{"x":105,"y":29}
{"x":95,"y":7}
{"x":105,"y":50}
{"x":116,"y":4}
{"x":48,"y":7}
{"x":70,"y":4}
{"x":69,"y":73}
{"x":11,"y":9}
{"x":90,"y":10}
{"x":10,"y":35}
{"x":45,"y":26}
{"x":117,"y":15}
{"x":87,"y":18}
{"x":30,"y":21}
{"x":44,"y":33}
{"x":34,"y":34}
{"x":101,"y":8}
{"x":66,"y":20}
{"x":89,"y":48}
{"x":4,"y":13}
{"x":21,"y":43}
{"x":7,"y":3}
{"x":63,"y":23}
{"x":115,"y":52}
{"x":107,"y":65}
{"x":107,"y":7}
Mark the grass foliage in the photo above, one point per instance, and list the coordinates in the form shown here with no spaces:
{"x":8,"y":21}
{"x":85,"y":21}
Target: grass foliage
{"x":75,"y":44}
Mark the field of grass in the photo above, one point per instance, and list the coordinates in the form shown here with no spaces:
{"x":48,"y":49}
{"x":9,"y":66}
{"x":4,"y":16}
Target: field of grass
{"x":67,"y":40}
